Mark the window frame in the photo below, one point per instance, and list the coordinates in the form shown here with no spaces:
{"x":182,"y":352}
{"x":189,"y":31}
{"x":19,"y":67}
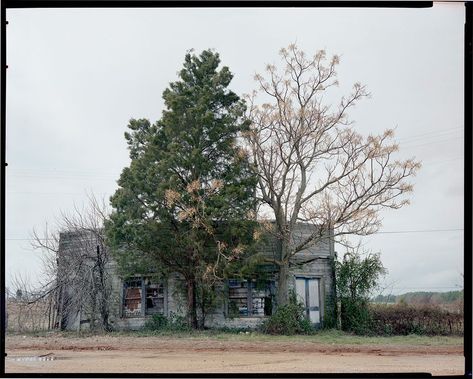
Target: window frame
{"x":145,"y":282}
{"x":250,"y":297}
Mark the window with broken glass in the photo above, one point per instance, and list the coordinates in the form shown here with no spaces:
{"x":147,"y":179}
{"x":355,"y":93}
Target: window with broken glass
{"x":142,"y":296}
{"x":249,"y":298}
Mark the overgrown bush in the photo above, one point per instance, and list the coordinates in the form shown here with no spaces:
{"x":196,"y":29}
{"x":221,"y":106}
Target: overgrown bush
{"x":174,"y":322}
{"x":331,"y":313}
{"x":288,"y":319}
{"x":402,"y":319}
{"x":357,"y":276}
{"x":356,"y":317}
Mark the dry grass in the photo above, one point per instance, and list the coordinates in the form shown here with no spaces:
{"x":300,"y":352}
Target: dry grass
{"x":24,"y":317}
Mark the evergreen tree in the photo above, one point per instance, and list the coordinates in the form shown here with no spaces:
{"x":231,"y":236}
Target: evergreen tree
{"x":185,"y":202}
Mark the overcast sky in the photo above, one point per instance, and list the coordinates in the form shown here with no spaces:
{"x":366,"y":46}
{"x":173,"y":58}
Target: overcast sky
{"x":76,"y":76}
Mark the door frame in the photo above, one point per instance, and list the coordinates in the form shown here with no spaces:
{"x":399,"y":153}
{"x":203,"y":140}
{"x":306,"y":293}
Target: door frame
{"x":306,"y":279}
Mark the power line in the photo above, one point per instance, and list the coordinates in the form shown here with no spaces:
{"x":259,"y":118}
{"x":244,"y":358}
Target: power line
{"x":71,"y":177}
{"x":419,"y":231}
{"x":433,"y":163}
{"x":437,"y":133}
{"x":24,"y":239}
{"x":51,"y":193}
{"x":70,"y":174}
{"x":416,"y":288}
{"x":413,"y":145}
{"x":54,"y":171}
{"x":385,"y":232}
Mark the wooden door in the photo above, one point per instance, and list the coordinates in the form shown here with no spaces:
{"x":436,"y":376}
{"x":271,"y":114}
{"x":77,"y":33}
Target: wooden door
{"x":307,"y":290}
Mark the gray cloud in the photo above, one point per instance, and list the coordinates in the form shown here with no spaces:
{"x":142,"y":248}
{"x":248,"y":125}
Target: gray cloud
{"x":76,"y":76}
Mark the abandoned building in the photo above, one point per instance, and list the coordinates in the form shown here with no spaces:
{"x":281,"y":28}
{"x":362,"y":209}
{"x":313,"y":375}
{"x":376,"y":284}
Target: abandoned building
{"x":244,"y":303}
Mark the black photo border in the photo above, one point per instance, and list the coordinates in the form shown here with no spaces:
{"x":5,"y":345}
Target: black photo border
{"x":468,"y":143}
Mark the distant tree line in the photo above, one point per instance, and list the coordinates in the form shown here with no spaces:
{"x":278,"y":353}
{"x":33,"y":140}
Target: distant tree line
{"x":421,"y":297}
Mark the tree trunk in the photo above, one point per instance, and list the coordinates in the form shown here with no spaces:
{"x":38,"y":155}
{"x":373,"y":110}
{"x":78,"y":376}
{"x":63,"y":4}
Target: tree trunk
{"x":104,"y":301}
{"x":203,"y":307}
{"x":62,"y":311}
{"x":191,"y":303}
{"x":92,"y":315}
{"x":49,"y":313}
{"x":335,"y":301}
{"x":104,"y":313}
{"x":102,"y":284}
{"x":283,"y":277}
{"x":283,"y":285}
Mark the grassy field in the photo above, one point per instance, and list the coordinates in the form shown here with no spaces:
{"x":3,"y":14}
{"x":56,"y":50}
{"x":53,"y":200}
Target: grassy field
{"x":326,"y":337}
{"x":334,"y":337}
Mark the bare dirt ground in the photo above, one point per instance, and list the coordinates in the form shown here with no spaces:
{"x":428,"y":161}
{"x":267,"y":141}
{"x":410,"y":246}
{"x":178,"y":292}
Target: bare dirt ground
{"x":125,"y":354}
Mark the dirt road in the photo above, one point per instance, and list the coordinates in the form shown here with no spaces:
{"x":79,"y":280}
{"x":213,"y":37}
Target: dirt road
{"x":192,"y":355}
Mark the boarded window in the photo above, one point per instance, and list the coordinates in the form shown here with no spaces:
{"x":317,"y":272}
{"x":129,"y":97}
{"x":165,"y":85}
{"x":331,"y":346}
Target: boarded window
{"x":132,"y":298}
{"x":248,"y":299}
{"x":238,"y":298}
{"x":258,"y":299}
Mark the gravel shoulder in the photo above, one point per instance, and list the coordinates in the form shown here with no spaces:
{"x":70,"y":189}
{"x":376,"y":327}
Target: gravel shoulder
{"x":154,"y":354}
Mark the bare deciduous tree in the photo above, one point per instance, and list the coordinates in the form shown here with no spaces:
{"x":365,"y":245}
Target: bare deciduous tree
{"x":313,"y":167}
{"x":75,"y":266}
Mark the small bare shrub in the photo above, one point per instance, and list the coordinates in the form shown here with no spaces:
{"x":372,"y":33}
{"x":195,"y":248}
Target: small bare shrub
{"x":402,"y":319}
